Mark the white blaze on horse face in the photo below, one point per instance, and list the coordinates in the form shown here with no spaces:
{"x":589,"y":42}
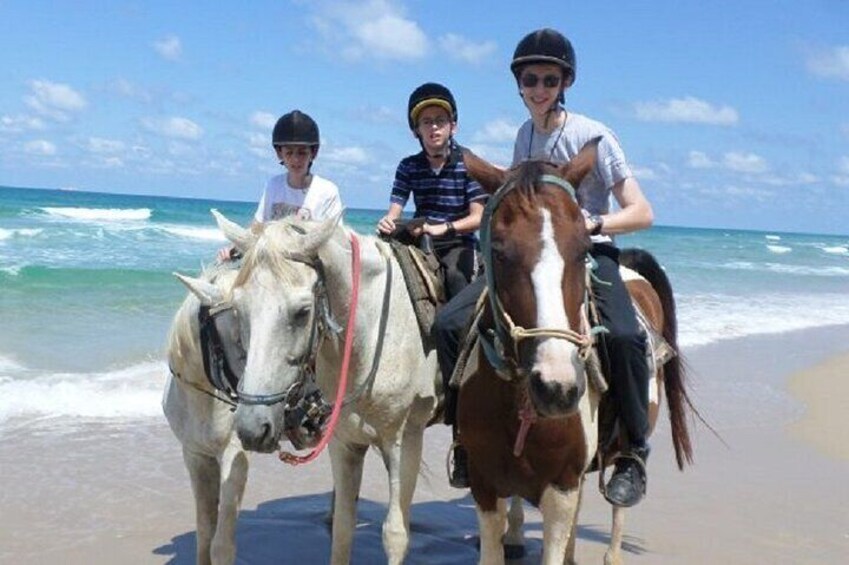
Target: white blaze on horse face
{"x":556,"y":359}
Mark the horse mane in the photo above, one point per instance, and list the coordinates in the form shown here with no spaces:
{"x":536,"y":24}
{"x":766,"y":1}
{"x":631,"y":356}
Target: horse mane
{"x":528,"y":177}
{"x":274,"y":243}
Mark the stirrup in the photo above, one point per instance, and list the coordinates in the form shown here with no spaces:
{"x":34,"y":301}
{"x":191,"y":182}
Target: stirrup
{"x":642,"y":476}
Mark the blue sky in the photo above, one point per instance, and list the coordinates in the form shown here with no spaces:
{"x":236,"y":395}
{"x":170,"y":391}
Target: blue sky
{"x":733,"y":114}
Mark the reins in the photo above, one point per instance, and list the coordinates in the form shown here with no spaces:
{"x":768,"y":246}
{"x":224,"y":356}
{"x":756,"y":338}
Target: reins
{"x":294,"y":459}
{"x":505,"y":330}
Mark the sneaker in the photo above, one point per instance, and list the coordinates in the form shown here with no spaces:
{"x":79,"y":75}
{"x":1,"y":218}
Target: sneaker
{"x":458,"y":476}
{"x":627,"y":485}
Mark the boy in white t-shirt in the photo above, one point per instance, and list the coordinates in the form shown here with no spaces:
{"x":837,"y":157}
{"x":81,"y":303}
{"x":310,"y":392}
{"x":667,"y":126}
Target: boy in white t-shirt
{"x":297,"y":192}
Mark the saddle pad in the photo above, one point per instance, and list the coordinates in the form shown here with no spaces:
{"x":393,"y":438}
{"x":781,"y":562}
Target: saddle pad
{"x":425,"y":287}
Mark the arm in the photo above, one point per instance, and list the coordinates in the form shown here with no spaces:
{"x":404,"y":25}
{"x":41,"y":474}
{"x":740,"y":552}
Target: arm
{"x":387,"y":223}
{"x":466,"y":224}
{"x":635,"y":211}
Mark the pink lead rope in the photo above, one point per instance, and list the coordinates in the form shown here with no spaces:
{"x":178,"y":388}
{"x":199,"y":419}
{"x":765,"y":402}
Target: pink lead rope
{"x":291,"y":458}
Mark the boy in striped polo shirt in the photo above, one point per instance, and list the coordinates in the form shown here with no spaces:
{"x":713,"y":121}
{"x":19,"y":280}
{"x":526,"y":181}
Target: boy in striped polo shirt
{"x":449,"y":200}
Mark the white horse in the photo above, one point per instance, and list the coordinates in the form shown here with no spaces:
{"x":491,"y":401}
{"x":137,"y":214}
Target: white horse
{"x":204,"y":423}
{"x":294,"y":273}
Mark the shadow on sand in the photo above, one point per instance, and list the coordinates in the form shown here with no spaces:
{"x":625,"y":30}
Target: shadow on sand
{"x":295,"y":530}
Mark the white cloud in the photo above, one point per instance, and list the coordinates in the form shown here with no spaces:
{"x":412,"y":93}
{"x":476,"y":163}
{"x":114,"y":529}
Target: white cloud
{"x":497,"y":131}
{"x":373,"y":29}
{"x":53,"y":99}
{"x":173,"y":127}
{"x":496,"y":154}
{"x":744,"y":162}
{"x":127,"y":89}
{"x":798,"y":179}
{"x":465,"y":49}
{"x":346,"y":155}
{"x":40,"y":147}
{"x":830,"y":63}
{"x":103,"y":146}
{"x":686,"y":110}
{"x":264,"y":120}
{"x":644,"y":173}
{"x":19,"y":123}
{"x":699,"y":160}
{"x":169,"y":47}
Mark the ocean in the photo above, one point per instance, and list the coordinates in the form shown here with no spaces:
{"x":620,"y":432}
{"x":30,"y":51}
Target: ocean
{"x":87,"y":292}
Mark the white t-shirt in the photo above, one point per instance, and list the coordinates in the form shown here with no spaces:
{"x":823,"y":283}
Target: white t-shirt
{"x":318,"y":202}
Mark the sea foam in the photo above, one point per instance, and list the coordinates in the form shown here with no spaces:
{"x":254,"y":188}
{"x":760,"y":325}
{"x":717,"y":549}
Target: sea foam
{"x":100,"y":214}
{"x":127,"y":393}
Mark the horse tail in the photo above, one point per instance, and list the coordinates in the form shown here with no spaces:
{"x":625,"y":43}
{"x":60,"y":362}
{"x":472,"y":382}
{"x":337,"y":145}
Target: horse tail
{"x":674,"y":378}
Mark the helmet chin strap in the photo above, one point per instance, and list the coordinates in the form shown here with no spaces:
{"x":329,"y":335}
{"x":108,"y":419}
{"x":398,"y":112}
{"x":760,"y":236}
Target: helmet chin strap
{"x":443,"y":153}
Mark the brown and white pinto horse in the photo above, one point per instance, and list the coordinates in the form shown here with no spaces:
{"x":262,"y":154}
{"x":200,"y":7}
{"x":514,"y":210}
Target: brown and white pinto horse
{"x":527,"y":416}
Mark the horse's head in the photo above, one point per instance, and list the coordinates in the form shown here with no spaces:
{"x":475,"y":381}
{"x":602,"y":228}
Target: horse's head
{"x":534,"y":245}
{"x":278,"y":299}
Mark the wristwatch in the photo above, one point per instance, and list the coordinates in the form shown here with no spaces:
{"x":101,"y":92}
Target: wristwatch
{"x":598,"y":223}
{"x":450,"y":229}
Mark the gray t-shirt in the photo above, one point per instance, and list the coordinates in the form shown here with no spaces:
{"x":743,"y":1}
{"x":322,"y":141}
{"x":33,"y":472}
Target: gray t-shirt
{"x":562,"y":144}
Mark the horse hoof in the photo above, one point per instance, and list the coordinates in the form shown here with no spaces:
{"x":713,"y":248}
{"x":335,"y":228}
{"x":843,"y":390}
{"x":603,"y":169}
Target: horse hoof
{"x":514,"y":551}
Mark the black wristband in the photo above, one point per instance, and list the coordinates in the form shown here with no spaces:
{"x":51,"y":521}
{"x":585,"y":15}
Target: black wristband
{"x":598,"y":223}
{"x":450,"y":229}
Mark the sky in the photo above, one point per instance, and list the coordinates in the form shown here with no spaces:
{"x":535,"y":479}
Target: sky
{"x":733,"y":114}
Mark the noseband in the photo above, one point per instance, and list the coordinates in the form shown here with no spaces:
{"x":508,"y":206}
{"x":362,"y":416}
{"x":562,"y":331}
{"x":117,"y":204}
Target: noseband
{"x":505,"y":331}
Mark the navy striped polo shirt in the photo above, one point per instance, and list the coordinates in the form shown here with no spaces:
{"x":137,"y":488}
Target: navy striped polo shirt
{"x":442,"y":197}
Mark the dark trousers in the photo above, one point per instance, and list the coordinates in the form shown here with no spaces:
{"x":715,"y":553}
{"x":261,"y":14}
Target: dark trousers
{"x":622,"y":349}
{"x":457,"y":258}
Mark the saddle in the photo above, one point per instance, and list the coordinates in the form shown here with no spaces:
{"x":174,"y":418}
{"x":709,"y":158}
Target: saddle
{"x":422,"y":274}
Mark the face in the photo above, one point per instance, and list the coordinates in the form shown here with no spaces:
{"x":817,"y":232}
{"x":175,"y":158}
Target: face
{"x":296,"y":158}
{"x":540,"y":87}
{"x":434,"y":128}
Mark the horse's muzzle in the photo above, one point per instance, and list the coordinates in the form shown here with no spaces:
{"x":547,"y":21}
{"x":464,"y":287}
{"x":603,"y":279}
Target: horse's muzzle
{"x":553,"y":398}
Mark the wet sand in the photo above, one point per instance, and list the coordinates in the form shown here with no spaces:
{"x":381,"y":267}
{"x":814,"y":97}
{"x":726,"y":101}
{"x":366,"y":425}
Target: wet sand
{"x":770,"y":491}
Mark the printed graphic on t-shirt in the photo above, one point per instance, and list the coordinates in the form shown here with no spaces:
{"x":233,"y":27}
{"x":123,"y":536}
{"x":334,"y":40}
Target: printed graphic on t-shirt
{"x":284,"y":209}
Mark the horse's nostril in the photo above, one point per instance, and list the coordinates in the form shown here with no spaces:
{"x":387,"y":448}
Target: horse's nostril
{"x":266,"y":432}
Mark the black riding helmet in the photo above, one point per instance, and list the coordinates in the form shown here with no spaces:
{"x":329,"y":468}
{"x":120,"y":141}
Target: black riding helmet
{"x":430,"y":94}
{"x":545,"y":46}
{"x":295,"y":128}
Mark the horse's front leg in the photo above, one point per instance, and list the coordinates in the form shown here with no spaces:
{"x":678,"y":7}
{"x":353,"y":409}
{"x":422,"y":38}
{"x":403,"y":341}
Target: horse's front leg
{"x":402,"y":458}
{"x":205,"y":475}
{"x":613,"y":555}
{"x":491,"y":524}
{"x":234,"y":475}
{"x":346,"y":462}
{"x":569,"y":559}
{"x":514,"y":538}
{"x":559,"y":512}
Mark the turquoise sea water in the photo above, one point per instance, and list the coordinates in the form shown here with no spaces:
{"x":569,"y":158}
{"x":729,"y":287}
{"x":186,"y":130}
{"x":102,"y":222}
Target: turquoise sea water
{"x":87,"y":292}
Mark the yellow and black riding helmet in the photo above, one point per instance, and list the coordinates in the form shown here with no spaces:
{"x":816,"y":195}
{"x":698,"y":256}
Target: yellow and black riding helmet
{"x":430,"y":94}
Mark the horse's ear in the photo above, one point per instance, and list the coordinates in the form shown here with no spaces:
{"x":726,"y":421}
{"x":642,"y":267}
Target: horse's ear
{"x":314,"y":238}
{"x":488,"y":175}
{"x":575,"y":170}
{"x":242,"y":238}
{"x":207,"y":293}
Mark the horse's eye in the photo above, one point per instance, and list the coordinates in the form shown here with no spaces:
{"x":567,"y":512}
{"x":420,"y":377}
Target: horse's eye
{"x":302,"y":315}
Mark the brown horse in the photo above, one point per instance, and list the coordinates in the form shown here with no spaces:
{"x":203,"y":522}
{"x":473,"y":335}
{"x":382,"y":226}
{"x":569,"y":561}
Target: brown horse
{"x":527,"y":416}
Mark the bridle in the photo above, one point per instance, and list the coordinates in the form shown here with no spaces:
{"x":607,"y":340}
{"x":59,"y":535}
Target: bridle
{"x":505,"y":331}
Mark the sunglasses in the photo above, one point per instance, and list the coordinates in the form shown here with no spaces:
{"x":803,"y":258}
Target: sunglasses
{"x":530,"y":80}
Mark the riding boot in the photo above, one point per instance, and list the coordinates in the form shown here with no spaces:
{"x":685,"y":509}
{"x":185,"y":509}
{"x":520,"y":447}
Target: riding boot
{"x":627,"y":485}
{"x":458,"y":476}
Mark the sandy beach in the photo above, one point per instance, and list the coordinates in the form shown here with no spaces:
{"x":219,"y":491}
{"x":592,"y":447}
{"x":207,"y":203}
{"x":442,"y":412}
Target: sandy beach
{"x":770,"y":491}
